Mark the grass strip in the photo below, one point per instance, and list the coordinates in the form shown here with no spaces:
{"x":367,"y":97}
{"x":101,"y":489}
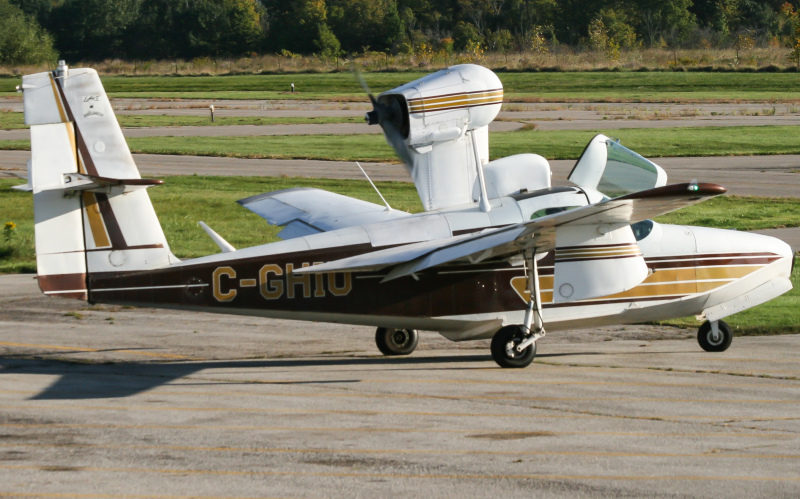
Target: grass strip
{"x":14,"y":121}
{"x":552,"y":144}
{"x":555,"y":144}
{"x":581,"y":86}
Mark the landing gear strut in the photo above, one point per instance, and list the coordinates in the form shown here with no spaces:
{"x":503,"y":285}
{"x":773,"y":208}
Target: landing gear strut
{"x":396,"y":341}
{"x":515,"y":346}
{"x":714,"y":336}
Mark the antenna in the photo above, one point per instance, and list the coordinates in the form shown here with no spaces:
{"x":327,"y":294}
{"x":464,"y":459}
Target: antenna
{"x":388,"y":208}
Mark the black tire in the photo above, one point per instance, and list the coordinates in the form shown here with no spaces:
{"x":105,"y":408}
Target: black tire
{"x":500,"y":343}
{"x":396,"y":341}
{"x":707,"y":343}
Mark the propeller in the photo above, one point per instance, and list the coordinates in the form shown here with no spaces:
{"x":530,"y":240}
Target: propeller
{"x":391,"y":113}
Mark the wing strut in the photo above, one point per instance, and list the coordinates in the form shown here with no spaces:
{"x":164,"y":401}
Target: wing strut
{"x":484,"y":201}
{"x":533,"y":314}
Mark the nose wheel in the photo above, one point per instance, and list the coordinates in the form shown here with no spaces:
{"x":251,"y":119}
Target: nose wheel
{"x":392,"y":341}
{"x":505,"y":347}
{"x":715,"y":336}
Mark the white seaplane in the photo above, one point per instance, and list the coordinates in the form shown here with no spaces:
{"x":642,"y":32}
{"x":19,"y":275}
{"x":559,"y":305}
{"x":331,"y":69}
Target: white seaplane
{"x":498,"y":252}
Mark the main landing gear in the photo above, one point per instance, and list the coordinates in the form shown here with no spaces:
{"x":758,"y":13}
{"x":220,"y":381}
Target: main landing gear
{"x":515,"y":346}
{"x":396,"y":341}
{"x":714,"y":336}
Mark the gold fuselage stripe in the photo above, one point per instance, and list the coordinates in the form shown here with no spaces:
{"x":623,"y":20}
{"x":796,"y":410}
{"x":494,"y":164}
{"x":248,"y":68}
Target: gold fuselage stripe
{"x":667,"y":282}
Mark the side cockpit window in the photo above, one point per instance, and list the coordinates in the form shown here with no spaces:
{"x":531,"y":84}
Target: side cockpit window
{"x":642,"y":229}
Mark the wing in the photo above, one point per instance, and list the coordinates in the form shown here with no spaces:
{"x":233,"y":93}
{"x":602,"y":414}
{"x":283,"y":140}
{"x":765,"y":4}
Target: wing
{"x":541,"y":233}
{"x":306,"y":211}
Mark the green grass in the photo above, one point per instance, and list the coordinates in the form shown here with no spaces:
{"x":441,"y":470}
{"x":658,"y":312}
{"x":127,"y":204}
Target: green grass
{"x":142,"y":120}
{"x":548,"y":86}
{"x":558,"y":144}
{"x":552,"y":144}
{"x":739,"y":213}
{"x":13,"y":121}
{"x":185,"y":200}
{"x":582,"y":86}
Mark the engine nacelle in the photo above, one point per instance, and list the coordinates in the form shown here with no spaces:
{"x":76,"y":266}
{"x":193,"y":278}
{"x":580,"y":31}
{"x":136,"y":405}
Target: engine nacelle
{"x":438,"y":125}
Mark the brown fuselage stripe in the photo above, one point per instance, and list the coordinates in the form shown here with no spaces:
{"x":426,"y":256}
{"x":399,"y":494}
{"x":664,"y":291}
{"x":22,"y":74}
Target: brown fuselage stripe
{"x":593,"y":247}
{"x":713,"y":263}
{"x":707,"y":255}
{"x":593,"y":258}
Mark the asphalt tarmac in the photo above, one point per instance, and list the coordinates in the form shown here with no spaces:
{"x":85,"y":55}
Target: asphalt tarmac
{"x":116,"y":402}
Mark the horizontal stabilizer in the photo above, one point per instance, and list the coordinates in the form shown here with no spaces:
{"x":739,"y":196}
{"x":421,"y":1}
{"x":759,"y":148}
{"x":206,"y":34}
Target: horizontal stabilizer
{"x":305,"y":211}
{"x":27,"y":186}
{"x":77,"y":182}
{"x":539,"y":233}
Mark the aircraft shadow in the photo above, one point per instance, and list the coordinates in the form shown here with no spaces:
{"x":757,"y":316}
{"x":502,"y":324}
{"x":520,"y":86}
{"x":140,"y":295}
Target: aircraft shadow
{"x":81,"y":380}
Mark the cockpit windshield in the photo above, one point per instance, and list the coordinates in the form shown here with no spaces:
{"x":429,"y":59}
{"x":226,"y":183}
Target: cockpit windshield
{"x":614,"y":170}
{"x":626,"y":172}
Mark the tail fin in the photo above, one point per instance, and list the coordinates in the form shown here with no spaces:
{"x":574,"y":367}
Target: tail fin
{"x":91,"y":209}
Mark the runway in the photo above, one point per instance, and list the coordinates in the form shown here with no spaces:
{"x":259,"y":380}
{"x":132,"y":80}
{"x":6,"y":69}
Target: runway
{"x":115,"y":402}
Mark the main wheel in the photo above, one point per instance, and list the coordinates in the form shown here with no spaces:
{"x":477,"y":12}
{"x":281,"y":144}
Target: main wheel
{"x":504,"y":350}
{"x":710,"y":344}
{"x":396,"y":341}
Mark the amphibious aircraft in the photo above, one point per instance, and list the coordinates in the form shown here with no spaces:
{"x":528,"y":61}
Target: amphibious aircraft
{"x":498,"y":253}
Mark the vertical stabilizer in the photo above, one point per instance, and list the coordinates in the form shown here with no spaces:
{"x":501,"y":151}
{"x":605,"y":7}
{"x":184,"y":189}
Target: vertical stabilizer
{"x":91,"y":209}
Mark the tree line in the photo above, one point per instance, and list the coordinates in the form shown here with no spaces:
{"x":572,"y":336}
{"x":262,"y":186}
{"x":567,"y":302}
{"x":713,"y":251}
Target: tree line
{"x":34,"y":31}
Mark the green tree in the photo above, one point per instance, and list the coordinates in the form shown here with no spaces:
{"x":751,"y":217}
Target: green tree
{"x":222,"y":27}
{"x":329,"y":46}
{"x":667,"y":20}
{"x":365,"y":23}
{"x":466,"y":35}
{"x":157,"y":32}
{"x":295,"y":24}
{"x":792,"y":18}
{"x":92,"y":29}
{"x":22,"y":40}
{"x":526,"y":19}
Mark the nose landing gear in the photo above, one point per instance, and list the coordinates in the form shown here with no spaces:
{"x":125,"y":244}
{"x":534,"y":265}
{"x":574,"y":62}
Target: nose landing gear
{"x":515,"y":346}
{"x":714,"y":336}
{"x":505,"y":347}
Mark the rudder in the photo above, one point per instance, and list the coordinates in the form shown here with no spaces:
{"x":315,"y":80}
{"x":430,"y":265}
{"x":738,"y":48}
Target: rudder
{"x":91,"y":209}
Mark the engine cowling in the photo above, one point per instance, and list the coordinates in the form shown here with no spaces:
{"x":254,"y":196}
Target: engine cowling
{"x":438,"y":125}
